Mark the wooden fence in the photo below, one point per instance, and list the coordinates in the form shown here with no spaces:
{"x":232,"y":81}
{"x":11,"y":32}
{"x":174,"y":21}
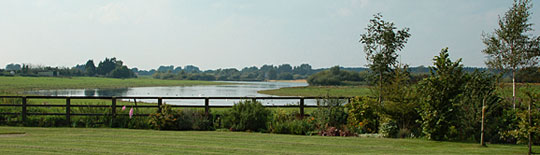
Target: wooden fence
{"x":207,"y":104}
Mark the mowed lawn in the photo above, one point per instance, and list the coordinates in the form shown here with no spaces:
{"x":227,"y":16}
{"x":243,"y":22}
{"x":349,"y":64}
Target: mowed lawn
{"x":130,"y":141}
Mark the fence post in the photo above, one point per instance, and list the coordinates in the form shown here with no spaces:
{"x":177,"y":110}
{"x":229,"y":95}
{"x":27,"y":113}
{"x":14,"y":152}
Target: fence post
{"x":23,"y":112}
{"x":206,"y":106}
{"x":113,"y":110}
{"x":159,"y":103}
{"x":301,"y":108}
{"x":68,"y":111}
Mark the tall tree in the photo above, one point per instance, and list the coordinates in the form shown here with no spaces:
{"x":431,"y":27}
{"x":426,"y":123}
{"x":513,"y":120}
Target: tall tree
{"x":438,"y":95}
{"x":510,"y":47}
{"x":381,"y":43}
{"x":90,"y":68}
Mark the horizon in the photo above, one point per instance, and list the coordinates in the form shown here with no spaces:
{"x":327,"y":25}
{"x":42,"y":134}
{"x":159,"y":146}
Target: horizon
{"x":237,"y":34}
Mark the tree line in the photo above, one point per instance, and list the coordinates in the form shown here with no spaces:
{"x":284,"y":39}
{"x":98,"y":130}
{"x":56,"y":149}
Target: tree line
{"x":110,"y":67}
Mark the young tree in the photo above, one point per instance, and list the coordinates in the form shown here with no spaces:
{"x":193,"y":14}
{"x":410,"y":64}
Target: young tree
{"x":438,"y":96}
{"x":381,"y":43}
{"x":510,"y":47}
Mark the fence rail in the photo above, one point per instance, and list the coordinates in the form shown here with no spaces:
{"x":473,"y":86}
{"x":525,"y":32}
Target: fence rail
{"x":207,"y":104}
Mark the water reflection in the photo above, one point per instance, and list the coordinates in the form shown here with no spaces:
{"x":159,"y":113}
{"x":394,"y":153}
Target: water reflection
{"x":236,"y":89}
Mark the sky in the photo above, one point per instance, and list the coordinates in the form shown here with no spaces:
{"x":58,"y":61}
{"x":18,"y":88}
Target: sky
{"x":216,"y":34}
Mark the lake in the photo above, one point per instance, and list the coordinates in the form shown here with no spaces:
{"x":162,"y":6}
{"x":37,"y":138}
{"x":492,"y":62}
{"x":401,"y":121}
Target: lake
{"x":235,"y":89}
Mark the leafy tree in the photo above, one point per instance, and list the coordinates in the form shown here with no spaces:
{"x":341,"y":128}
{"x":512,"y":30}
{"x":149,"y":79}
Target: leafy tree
{"x":90,"y":68}
{"x":479,"y":94}
{"x":381,"y":43}
{"x":510,"y":47}
{"x":107,"y":65}
{"x":401,"y":102}
{"x":303,"y":69}
{"x":165,"y":68}
{"x":191,"y":69}
{"x":335,"y":76}
{"x":438,"y":96}
{"x":284,"y":68}
{"x":122,"y":72}
{"x":13,"y":67}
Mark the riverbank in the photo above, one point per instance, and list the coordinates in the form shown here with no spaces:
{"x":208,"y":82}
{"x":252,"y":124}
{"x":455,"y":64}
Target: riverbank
{"x":14,"y":85}
{"x":334,"y":91}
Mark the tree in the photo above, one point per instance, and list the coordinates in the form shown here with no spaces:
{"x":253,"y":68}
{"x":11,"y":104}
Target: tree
{"x":122,"y":72}
{"x":106,"y":66}
{"x":439,"y":95}
{"x":13,"y":67}
{"x":510,"y":47}
{"x":90,"y":68}
{"x":381,"y":43}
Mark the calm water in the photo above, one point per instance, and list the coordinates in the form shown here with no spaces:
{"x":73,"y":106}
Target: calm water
{"x":236,"y":89}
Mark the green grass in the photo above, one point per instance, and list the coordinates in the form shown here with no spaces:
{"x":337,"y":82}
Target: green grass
{"x":12,"y":85}
{"x":364,"y":90}
{"x":130,"y":141}
{"x":319,"y":91}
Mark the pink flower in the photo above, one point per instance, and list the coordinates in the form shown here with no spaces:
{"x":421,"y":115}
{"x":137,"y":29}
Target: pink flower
{"x":130,"y":113}
{"x":123,"y":108}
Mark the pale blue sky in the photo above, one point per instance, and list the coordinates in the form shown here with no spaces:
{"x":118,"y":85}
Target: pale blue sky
{"x":236,"y":33}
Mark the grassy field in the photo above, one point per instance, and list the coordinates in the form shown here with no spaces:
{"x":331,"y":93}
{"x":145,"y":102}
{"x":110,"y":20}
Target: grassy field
{"x":364,"y":90}
{"x":319,"y":91}
{"x":129,"y":141}
{"x":12,"y":85}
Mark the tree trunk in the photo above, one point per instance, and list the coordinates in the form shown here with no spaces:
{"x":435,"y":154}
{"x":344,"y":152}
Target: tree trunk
{"x":530,"y":124}
{"x":514,"y":87}
{"x":483,"y":118}
{"x":380,"y":88}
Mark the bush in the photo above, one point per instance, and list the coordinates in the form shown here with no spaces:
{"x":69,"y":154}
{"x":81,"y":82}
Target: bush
{"x":330,"y":117}
{"x":389,"y":129}
{"x":362,"y":115}
{"x":247,"y":115}
{"x":336,"y":76}
{"x":186,"y":119}
{"x":164,"y":120}
{"x":288,"y":124}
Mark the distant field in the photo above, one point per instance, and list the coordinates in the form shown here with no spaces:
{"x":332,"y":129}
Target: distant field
{"x":364,"y":90}
{"x":27,"y":140}
{"x":320,"y":91}
{"x":12,"y":85}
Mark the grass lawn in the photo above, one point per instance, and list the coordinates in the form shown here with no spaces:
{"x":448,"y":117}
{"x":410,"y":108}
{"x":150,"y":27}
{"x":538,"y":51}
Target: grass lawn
{"x":12,"y":85}
{"x":130,"y":141}
{"x":337,"y":91}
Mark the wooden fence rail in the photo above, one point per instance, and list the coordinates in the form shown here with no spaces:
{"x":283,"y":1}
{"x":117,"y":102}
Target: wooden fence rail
{"x":68,"y":106}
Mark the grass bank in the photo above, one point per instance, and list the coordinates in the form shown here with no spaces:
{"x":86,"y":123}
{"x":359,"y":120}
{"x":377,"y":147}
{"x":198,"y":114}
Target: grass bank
{"x":336,"y":91}
{"x":13,"y":85}
{"x":130,"y":141}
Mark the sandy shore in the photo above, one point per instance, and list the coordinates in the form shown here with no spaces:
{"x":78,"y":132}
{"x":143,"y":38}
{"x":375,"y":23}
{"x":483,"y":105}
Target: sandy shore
{"x":292,"y":81}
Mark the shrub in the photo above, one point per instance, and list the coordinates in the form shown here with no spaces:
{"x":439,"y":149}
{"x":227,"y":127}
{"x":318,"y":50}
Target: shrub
{"x":330,"y":117}
{"x":389,"y":129}
{"x":362,"y":115}
{"x":288,"y":124}
{"x":186,"y":119}
{"x":164,"y":120}
{"x":247,"y":115}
